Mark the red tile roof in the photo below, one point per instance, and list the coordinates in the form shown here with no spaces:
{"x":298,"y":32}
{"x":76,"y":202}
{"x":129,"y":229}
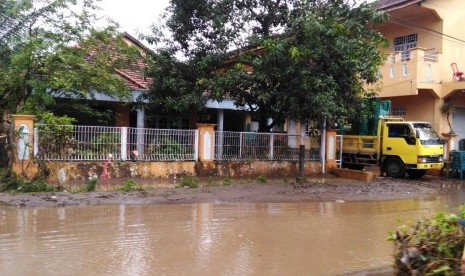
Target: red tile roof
{"x":136,"y":77}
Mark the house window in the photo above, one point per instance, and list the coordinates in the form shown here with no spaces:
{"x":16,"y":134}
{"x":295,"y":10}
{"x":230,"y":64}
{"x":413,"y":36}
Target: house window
{"x":404,"y":43}
{"x":391,"y":71}
{"x":399,"y":111}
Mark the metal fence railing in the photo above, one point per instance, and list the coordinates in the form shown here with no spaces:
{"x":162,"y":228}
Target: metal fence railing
{"x":263,"y":146}
{"x":78,"y":143}
{"x":92,"y":143}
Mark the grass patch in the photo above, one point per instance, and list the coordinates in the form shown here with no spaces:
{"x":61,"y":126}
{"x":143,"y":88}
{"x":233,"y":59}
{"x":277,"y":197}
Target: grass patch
{"x":189,"y":181}
{"x":227,"y":181}
{"x":130,"y":185}
{"x":262,"y":179}
{"x":20,"y":185}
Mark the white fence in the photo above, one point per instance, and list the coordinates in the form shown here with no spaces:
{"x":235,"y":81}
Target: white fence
{"x":92,"y":143}
{"x":86,"y":143}
{"x":263,"y":146}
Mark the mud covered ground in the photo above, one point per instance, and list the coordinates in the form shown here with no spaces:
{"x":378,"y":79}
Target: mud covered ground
{"x":318,"y":188}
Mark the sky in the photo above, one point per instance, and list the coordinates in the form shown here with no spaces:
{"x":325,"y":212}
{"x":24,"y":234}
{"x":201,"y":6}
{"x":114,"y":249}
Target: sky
{"x":134,"y":16}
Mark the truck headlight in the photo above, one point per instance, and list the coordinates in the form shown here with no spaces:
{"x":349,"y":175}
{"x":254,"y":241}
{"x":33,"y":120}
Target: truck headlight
{"x":440,"y":159}
{"x":422,"y":160}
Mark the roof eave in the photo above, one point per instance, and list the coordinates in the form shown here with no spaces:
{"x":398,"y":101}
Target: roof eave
{"x":396,"y":6}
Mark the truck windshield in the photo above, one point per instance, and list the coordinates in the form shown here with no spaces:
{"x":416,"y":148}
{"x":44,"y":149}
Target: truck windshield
{"x":426,"y":134}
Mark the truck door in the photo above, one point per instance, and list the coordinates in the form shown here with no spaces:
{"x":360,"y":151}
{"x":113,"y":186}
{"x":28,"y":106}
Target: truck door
{"x":399,"y":142}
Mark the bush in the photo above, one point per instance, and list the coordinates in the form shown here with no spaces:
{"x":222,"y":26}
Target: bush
{"x":227,"y":182}
{"x":130,"y":185}
{"x":262,"y":179}
{"x":430,"y":246}
{"x":189,"y":181}
{"x":91,"y":185}
{"x":16,"y":184}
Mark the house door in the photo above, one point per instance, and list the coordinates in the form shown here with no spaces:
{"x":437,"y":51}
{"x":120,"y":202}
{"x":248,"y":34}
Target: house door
{"x":458,"y":125}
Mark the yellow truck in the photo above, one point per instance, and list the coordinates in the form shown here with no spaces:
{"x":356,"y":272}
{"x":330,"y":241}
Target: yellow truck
{"x":399,"y":147}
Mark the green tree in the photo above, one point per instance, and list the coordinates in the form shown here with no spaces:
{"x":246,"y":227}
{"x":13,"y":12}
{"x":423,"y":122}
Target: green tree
{"x":305,"y":60}
{"x":52,"y":49}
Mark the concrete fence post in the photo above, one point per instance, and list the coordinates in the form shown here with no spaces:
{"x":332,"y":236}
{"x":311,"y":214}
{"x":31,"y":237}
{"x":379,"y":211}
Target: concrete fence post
{"x":24,"y":142}
{"x":331,"y":150}
{"x":206,"y":141}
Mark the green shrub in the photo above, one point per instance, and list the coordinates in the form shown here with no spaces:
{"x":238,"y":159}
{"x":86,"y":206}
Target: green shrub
{"x":430,"y":246}
{"x":130,"y":185}
{"x":4,"y":175}
{"x":189,"y":181}
{"x":16,"y":184}
{"x":91,"y":185}
{"x":262,"y":179}
{"x":227,"y":181}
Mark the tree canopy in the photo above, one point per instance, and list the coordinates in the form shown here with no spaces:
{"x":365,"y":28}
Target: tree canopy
{"x":53,"y":48}
{"x":302,"y":59}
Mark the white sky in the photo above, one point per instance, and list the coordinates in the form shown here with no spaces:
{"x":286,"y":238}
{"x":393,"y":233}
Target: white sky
{"x":134,"y":16}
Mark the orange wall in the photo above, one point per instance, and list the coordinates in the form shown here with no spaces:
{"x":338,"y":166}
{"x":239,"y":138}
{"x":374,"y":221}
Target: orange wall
{"x":419,"y":108}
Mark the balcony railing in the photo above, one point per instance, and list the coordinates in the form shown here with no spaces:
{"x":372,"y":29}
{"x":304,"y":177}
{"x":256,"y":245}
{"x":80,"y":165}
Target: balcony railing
{"x":416,"y":66}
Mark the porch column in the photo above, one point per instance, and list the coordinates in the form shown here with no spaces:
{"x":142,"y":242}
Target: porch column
{"x":268,"y":122}
{"x":140,"y":132}
{"x":219,"y":127}
{"x":219,"y":119}
{"x":291,"y":130}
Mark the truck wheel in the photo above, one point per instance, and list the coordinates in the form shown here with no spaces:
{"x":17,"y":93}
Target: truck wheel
{"x":416,"y":174}
{"x":395,"y":168}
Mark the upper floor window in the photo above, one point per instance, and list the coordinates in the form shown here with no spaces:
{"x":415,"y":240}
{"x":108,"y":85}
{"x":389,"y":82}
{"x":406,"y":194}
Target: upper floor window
{"x":404,"y":43}
{"x":399,"y":111}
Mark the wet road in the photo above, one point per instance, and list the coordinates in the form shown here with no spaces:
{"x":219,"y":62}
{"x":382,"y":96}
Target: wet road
{"x":307,"y":238}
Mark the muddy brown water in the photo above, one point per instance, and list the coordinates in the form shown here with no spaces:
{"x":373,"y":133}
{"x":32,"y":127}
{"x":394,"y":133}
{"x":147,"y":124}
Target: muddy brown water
{"x":306,"y":238}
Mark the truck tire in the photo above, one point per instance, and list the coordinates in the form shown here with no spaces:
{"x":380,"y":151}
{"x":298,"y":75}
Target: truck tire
{"x":395,"y":168}
{"x":416,"y":174}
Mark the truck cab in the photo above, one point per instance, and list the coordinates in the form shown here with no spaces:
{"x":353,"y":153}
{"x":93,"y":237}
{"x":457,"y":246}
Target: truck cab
{"x":399,"y":147}
{"x":409,"y":147}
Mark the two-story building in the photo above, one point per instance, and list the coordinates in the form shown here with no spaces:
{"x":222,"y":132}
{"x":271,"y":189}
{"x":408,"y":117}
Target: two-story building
{"x":425,"y":62}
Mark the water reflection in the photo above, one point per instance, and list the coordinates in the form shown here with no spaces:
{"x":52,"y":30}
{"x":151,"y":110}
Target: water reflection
{"x":311,"y":238}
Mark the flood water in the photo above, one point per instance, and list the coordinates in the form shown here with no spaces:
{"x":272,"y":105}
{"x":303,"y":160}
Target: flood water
{"x":309,"y":238}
